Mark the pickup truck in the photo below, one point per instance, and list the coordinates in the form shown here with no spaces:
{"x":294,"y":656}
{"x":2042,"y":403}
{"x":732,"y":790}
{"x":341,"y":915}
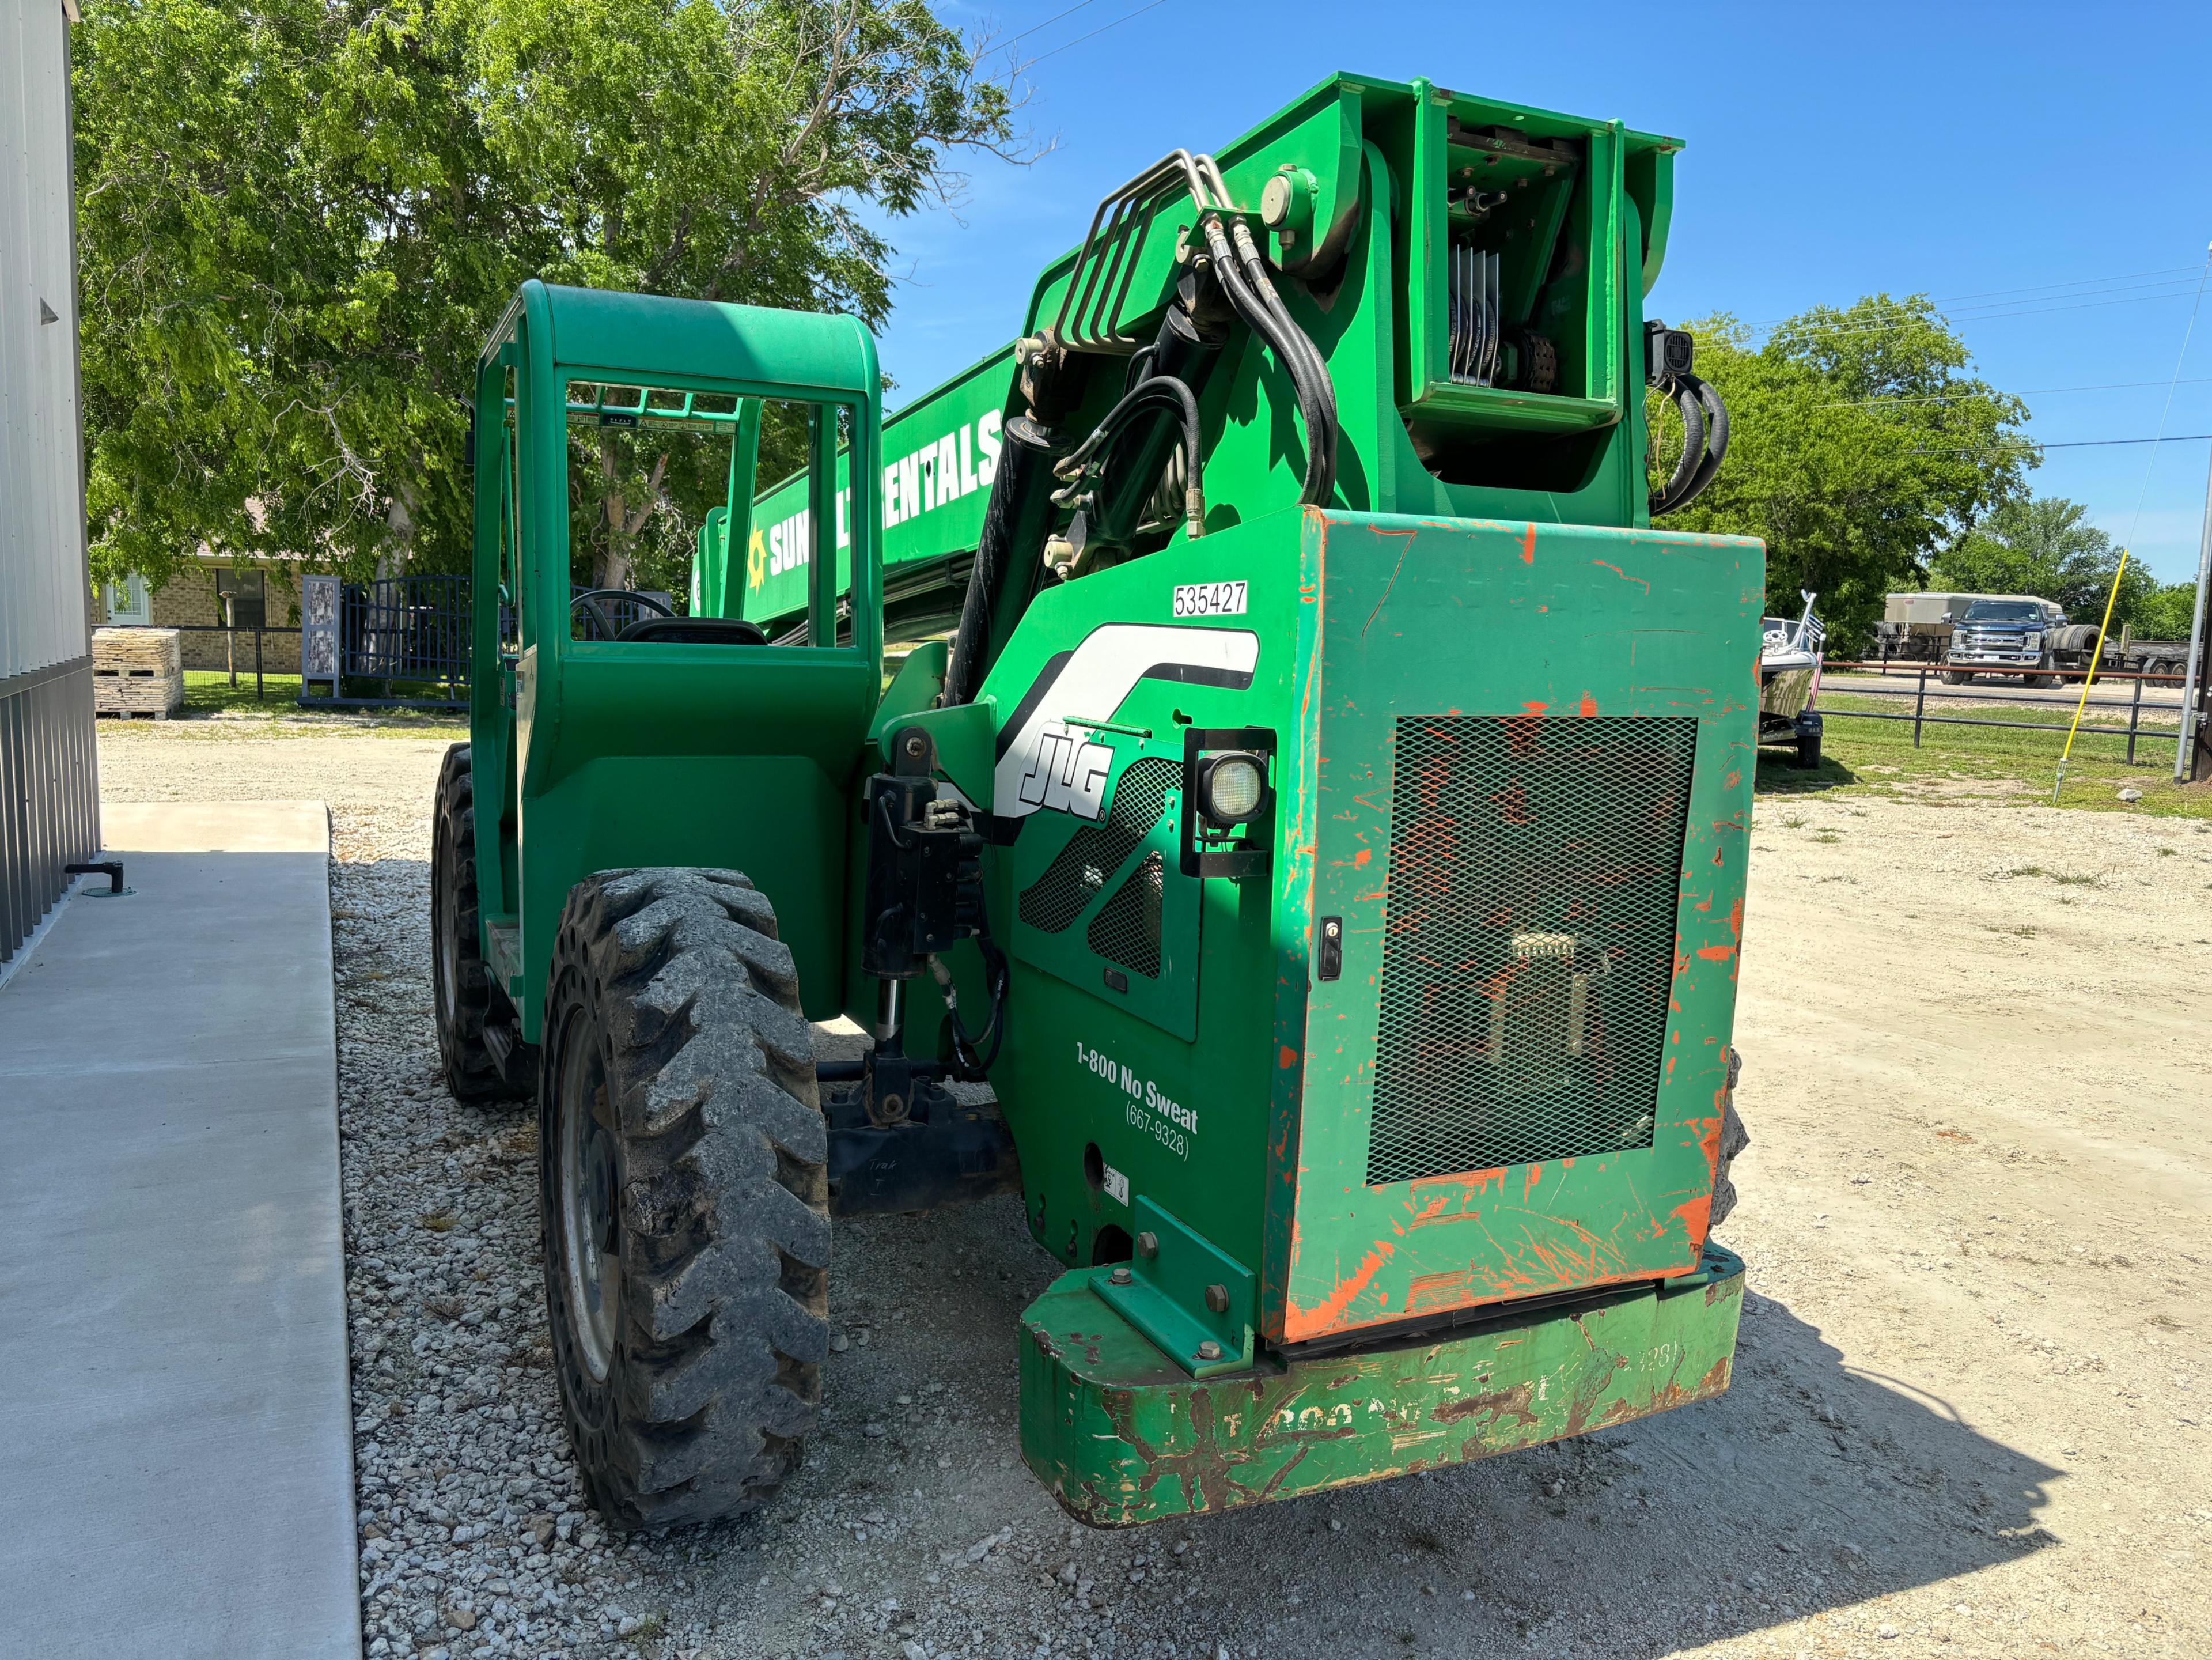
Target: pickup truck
{"x":2018,"y":633}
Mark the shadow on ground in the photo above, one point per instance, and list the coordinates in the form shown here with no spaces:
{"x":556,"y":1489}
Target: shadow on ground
{"x":1809,"y":1488}
{"x":1779,"y":774}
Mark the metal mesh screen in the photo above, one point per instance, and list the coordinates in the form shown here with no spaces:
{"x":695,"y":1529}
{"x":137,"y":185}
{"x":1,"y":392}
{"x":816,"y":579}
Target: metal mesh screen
{"x":1127,"y":929}
{"x":1094,"y":853}
{"x":1528,"y":941}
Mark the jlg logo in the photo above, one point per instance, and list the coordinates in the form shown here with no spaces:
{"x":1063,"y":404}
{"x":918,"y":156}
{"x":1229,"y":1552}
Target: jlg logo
{"x":1067,"y":773}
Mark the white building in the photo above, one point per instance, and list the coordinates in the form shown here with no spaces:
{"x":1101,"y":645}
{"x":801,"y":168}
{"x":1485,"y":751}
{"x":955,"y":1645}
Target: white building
{"x":49,"y":787}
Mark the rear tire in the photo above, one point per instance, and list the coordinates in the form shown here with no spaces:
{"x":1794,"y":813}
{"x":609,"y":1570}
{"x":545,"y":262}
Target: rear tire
{"x":468,"y":999}
{"x":1955,"y":677}
{"x":1808,"y":752}
{"x":682,"y":1156}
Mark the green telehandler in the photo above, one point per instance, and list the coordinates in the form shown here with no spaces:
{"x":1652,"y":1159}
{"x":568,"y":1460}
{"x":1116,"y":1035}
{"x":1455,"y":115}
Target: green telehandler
{"x":1313,"y":797}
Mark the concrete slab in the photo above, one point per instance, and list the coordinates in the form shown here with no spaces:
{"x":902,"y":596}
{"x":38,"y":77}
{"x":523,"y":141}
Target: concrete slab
{"x":176,"y":1453}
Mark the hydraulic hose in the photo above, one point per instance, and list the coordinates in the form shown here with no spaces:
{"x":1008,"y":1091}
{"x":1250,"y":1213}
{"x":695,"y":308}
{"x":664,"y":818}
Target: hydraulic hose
{"x":1704,"y":442}
{"x":1160,"y":389}
{"x":1716,"y":439}
{"x":1309,"y":377}
{"x":1671,"y":495}
{"x":1323,"y":389}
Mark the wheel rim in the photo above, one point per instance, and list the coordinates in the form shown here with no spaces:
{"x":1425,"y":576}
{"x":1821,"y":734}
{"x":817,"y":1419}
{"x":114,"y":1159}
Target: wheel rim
{"x":590,"y":1230}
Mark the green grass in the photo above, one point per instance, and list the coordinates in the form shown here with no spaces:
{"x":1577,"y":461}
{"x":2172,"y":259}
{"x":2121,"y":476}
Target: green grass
{"x":277,"y":713}
{"x":209,"y":691}
{"x":1988,"y":764}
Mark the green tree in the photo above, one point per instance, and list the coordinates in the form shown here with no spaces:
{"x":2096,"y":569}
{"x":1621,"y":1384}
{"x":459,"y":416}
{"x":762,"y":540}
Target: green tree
{"x":299,"y":217}
{"x":1859,"y":447}
{"x":2166,"y":612}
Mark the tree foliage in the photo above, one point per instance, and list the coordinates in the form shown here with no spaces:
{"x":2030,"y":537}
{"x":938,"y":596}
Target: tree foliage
{"x":298,"y":218}
{"x":1860,"y":446}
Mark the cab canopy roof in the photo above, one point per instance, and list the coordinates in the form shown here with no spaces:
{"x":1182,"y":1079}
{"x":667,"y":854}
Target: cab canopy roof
{"x":627,"y":338}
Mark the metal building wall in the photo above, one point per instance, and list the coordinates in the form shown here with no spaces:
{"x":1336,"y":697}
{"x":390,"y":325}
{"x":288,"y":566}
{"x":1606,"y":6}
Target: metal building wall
{"x":48,"y":783}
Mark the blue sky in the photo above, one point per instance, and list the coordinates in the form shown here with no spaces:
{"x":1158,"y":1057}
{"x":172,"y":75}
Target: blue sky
{"x":2049,"y":168}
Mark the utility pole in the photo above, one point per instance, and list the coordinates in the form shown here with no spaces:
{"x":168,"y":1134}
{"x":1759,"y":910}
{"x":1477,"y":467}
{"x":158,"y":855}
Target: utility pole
{"x":2193,"y":683}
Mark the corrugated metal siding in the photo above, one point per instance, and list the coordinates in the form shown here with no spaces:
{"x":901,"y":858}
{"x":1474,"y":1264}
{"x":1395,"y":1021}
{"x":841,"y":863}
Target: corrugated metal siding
{"x":49,"y":796}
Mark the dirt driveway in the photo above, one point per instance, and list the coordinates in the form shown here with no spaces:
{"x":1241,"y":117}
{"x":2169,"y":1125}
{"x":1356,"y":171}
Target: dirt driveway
{"x":1968,"y":1416}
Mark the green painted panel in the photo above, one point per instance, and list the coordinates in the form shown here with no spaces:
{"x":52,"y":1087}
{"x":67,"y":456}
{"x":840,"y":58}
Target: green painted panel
{"x":1515,"y":625}
{"x":1122,"y":1436}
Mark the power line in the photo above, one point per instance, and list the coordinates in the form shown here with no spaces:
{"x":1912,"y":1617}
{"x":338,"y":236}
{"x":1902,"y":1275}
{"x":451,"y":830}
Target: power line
{"x":1096,"y":33}
{"x":2079,"y":281}
{"x":2088,"y":285}
{"x":1036,"y":27}
{"x":2066,"y":444}
{"x":1835,"y":330}
{"x":2030,"y":392}
{"x":2180,"y":357}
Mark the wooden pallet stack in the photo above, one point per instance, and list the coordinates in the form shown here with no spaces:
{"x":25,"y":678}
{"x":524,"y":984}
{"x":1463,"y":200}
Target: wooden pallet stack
{"x":137,"y":671}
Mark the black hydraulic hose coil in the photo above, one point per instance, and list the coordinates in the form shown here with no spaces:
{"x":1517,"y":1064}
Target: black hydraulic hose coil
{"x":1159,"y":390}
{"x":1670,"y":496}
{"x":1716,"y":440}
{"x":1704,"y":442}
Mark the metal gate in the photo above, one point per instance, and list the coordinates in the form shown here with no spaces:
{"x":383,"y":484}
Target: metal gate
{"x":400,"y":641}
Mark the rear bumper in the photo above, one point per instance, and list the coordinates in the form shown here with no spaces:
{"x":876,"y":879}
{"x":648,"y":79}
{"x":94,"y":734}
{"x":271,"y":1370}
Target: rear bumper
{"x":1122,"y":1435}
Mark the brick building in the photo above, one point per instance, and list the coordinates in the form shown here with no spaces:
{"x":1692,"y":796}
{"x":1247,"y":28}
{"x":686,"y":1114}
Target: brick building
{"x":263,"y":593}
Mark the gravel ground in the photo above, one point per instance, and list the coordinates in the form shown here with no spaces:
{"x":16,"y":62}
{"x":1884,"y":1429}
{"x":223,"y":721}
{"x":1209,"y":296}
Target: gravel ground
{"x":1967,"y":1417}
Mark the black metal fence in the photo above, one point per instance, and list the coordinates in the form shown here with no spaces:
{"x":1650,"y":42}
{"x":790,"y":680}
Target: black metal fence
{"x":1912,"y":682}
{"x":403,"y":641}
{"x":49,"y":792}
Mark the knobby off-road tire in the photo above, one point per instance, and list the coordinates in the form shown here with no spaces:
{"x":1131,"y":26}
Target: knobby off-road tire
{"x":682,"y":1155}
{"x":468,"y":999}
{"x":1733,"y":1139}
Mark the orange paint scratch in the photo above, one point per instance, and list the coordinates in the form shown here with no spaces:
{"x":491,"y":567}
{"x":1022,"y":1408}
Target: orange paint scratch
{"x":1323,"y":1318}
{"x":1359,"y":859}
{"x":1589,"y":706}
{"x":1716,"y":953}
{"x":1288,"y":1059}
{"x":1528,"y":545}
{"x":1534,"y":707}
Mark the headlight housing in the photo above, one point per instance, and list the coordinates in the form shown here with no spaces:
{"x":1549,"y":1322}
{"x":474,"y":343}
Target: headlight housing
{"x":1231,"y":787}
{"x":1228,"y":804}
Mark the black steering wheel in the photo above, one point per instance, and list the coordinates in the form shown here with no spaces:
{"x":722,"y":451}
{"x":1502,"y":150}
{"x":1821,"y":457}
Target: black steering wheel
{"x":593,"y":602}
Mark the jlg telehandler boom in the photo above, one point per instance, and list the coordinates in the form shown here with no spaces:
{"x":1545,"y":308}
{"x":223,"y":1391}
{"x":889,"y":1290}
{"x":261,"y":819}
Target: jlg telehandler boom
{"x":1325,"y":828}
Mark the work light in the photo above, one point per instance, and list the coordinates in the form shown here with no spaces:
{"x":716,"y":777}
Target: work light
{"x":1232,"y":786}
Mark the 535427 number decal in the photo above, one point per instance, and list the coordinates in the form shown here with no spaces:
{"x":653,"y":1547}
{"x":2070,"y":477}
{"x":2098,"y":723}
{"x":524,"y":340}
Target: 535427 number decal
{"x":1209,"y":598}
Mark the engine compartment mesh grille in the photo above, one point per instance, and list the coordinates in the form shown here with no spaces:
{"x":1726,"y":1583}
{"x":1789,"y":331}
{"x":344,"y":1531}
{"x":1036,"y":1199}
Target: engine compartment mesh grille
{"x":1529,"y":938}
{"x":1094,"y":853}
{"x":1127,"y":929}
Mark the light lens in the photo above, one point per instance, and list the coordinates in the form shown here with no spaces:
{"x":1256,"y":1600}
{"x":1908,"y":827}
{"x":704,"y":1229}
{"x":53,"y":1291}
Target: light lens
{"x":1233,"y":789}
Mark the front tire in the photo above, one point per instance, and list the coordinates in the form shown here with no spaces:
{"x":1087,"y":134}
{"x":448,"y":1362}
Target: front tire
{"x":468,"y":1000}
{"x":1808,"y":752}
{"x":682,"y":1169}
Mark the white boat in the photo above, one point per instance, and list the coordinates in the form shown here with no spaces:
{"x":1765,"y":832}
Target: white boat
{"x":1789,"y":681}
